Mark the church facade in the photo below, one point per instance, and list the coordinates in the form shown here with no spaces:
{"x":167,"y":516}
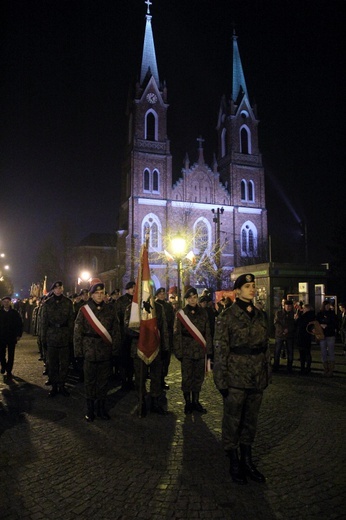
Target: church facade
{"x":220,"y":210}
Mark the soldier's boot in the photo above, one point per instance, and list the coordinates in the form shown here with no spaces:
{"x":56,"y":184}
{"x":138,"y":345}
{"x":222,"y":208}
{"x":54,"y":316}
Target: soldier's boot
{"x":90,"y":415}
{"x":101,"y":410}
{"x":196,"y":405}
{"x":236,"y":469}
{"x":156,"y":407}
{"x":331,"y":366}
{"x":326,"y":368}
{"x":188,"y":404}
{"x":247,"y":464}
{"x":63,"y":391}
{"x":53,"y":391}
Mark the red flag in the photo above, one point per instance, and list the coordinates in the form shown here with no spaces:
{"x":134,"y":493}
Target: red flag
{"x":143,"y":315}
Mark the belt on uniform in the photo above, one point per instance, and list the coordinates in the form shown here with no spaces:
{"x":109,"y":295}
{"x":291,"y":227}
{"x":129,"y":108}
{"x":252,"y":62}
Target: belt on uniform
{"x":247,"y":351}
{"x":58,"y":325}
{"x":91,"y":335}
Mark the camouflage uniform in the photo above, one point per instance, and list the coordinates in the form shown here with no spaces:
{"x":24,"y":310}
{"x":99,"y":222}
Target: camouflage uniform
{"x":123,"y":306}
{"x":56,"y":331}
{"x":166,"y":356}
{"x":189,"y":351}
{"x":97,"y":354}
{"x":241,"y":371}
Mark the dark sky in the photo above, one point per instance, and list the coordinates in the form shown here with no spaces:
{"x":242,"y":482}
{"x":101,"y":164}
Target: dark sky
{"x":67,"y":66}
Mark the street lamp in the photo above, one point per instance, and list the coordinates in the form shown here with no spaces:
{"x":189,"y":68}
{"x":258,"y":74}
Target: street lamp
{"x":178,"y":248}
{"x":84,"y":277}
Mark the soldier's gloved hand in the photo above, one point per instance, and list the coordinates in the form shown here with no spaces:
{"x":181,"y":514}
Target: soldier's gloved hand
{"x":223,"y":392}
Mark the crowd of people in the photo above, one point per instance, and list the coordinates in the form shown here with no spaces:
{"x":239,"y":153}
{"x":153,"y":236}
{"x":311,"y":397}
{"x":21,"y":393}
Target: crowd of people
{"x":91,"y":334}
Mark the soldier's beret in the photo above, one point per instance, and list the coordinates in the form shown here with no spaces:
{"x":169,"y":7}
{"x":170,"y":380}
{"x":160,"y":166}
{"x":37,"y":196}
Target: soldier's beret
{"x":203,"y":299}
{"x":160,"y":290}
{"x":56,"y":284}
{"x":6,"y":298}
{"x":288,"y":302}
{"x":83,"y":291}
{"x":190,"y":292}
{"x":129,"y":285}
{"x":96,"y":287}
{"x":242,"y":279}
{"x":116,"y":291}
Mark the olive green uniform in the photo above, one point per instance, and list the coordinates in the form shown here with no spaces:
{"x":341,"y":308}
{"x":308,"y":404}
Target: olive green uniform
{"x":241,"y":366}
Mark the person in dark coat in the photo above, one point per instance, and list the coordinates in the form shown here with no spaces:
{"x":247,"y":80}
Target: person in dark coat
{"x":329,"y":323}
{"x":96,"y":349}
{"x":304,"y":338}
{"x":11,"y":330}
{"x":169,"y":314}
{"x":241,"y":373}
{"x":126,"y":368}
{"x":57,"y":320}
{"x":192,"y":345}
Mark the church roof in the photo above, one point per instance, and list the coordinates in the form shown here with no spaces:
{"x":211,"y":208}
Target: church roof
{"x":149,"y":63}
{"x":238,"y":84}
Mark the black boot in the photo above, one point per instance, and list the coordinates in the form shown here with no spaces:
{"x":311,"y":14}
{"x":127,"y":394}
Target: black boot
{"x":188,"y":404}
{"x":236,"y":469}
{"x":53,"y":391}
{"x":101,"y":410}
{"x":90,"y":415}
{"x":156,"y":407}
{"x":63,"y":391}
{"x":196,"y":405}
{"x":248,"y":465}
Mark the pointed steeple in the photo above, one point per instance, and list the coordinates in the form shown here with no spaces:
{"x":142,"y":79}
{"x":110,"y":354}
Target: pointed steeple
{"x":200,"y":150}
{"x":149,"y":65}
{"x":238,"y":84}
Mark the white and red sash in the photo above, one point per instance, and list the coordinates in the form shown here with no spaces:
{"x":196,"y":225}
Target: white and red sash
{"x":96,"y":324}
{"x":195,"y":333}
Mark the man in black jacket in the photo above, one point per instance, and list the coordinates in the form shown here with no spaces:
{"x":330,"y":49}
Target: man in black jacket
{"x":11,"y":330}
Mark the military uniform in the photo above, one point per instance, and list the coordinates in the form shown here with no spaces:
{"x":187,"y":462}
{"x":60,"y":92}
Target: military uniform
{"x":241,"y":373}
{"x":169,"y":314}
{"x":56,"y":333}
{"x":191,"y":353}
{"x":126,"y":368}
{"x":96,"y":353}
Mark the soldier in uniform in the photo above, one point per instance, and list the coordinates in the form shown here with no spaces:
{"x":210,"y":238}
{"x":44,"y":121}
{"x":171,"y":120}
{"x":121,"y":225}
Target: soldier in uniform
{"x":96,"y":340}
{"x":169,"y":313}
{"x":192,"y":344}
{"x":126,"y":362}
{"x":56,"y":334}
{"x":241,"y":373}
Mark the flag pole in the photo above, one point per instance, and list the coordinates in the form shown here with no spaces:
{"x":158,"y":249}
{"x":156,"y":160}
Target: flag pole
{"x":140,"y":303}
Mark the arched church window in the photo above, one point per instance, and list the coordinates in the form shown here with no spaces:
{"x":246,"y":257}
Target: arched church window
{"x":248,"y":239}
{"x":244,"y":141}
{"x":94,"y":264}
{"x":156,"y":181}
{"x":146,"y":180}
{"x":154,"y":235}
{"x":250,"y":190}
{"x":151,"y":126}
{"x":151,"y":225}
{"x":201,"y":236}
{"x":243,"y":190}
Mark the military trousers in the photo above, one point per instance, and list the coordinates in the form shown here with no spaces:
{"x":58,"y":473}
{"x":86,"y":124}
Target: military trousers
{"x":240,"y":413}
{"x":96,"y":375}
{"x":192,"y":374}
{"x":58,"y":363}
{"x":154,"y":370}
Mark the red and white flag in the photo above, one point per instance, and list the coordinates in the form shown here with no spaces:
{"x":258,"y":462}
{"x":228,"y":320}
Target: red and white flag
{"x":143,"y":316}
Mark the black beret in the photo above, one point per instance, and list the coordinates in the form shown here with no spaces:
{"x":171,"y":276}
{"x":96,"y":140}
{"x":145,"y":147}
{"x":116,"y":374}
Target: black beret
{"x":96,"y":287}
{"x":190,"y":292}
{"x":83,"y":291}
{"x":6,"y":298}
{"x":160,"y":290}
{"x":288,"y":302}
{"x":56,"y":284}
{"x":203,"y":299}
{"x":129,"y":285}
{"x":243,"y":279}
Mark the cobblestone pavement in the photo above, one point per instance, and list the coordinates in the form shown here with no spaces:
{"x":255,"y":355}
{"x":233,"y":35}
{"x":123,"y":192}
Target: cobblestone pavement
{"x":54,"y":465}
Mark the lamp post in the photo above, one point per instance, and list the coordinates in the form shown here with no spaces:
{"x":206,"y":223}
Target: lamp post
{"x":179,"y":248}
{"x":84,"y":277}
{"x":216,"y":220}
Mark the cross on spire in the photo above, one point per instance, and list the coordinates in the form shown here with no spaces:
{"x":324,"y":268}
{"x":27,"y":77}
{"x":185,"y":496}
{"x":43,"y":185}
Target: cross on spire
{"x":200,"y":142}
{"x":148,"y":5}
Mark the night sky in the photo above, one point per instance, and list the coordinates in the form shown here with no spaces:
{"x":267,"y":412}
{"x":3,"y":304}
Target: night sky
{"x":67,"y":67}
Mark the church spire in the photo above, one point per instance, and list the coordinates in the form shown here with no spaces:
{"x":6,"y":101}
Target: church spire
{"x":149,"y":65}
{"x":238,"y":85}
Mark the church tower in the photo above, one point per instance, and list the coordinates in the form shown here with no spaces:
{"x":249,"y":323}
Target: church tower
{"x":240,"y":167}
{"x":147,"y":169}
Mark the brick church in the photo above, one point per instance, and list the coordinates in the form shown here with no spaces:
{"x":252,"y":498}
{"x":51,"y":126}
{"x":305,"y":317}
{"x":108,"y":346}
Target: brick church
{"x":219,"y":209}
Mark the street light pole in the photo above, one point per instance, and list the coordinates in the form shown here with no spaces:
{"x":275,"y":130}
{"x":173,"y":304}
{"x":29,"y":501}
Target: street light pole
{"x":179,"y":248}
{"x":216,"y":220}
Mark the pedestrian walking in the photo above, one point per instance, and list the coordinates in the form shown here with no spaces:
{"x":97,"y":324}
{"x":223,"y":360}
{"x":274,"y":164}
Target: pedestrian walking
{"x":241,"y":373}
{"x":11,"y":330}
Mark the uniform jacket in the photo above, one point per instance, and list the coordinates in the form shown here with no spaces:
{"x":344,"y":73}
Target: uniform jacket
{"x":284,"y":320}
{"x":235,"y":329}
{"x":92,"y":348}
{"x":169,"y":314}
{"x":57,"y":318}
{"x":11,"y":326}
{"x":184,"y":345}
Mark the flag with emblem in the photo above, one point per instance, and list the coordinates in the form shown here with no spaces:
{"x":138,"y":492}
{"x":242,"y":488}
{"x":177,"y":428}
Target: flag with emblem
{"x":143,"y":316}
